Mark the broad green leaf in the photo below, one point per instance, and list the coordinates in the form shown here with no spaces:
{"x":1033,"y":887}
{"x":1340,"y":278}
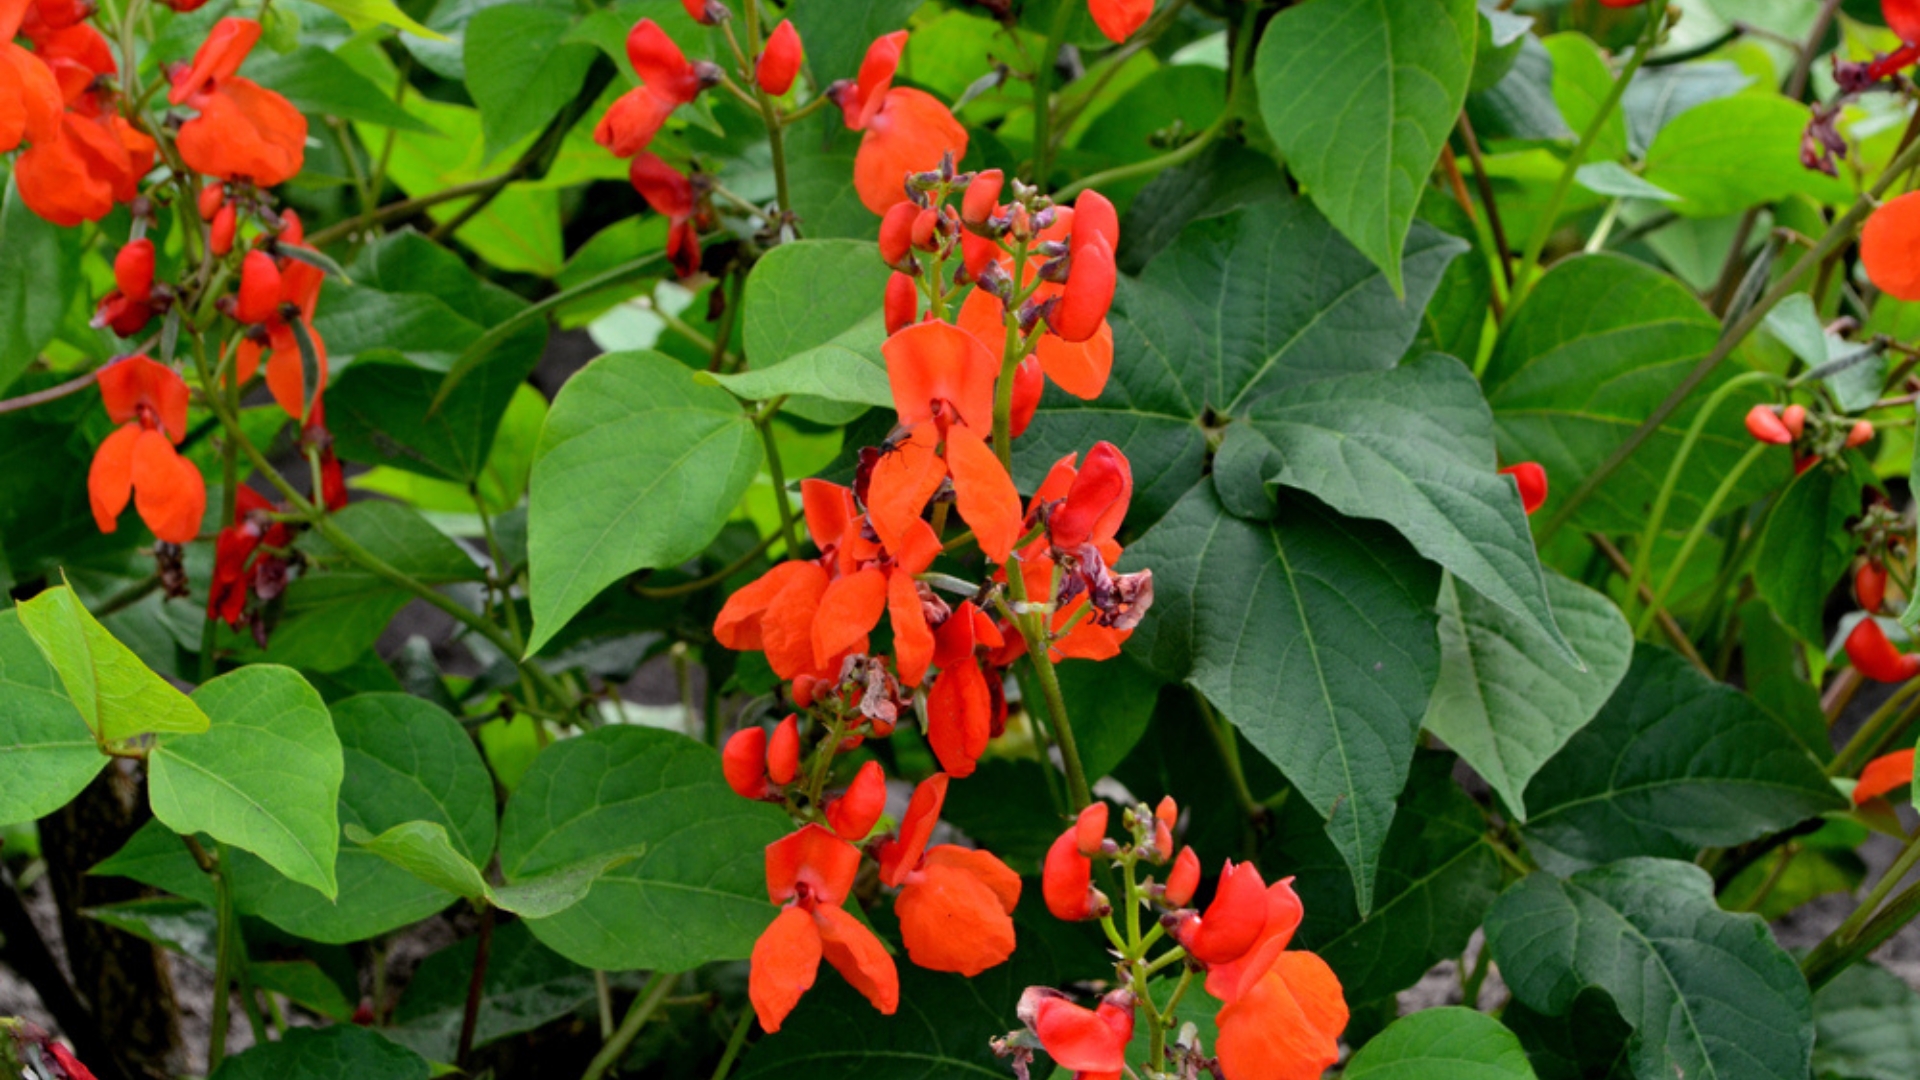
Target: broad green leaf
{"x":317,"y":81}
{"x":305,"y":984}
{"x":1612,"y":179}
{"x":1502,"y":35}
{"x":1437,"y":878}
{"x":696,"y":895}
{"x":154,"y":856}
{"x":1581,"y":82}
{"x":117,"y":695}
{"x":406,"y":761}
{"x":325,"y":1054}
{"x":1727,"y":155}
{"x":423,"y":849}
{"x":1806,"y":546}
{"x":186,"y":927}
{"x":1709,"y":995}
{"x":1868,"y":1022}
{"x":1442,"y":1044}
{"x":810,"y":328}
{"x":1674,"y":762}
{"x":265,"y":777}
{"x":519,"y":70}
{"x":1242,"y":305}
{"x":361,"y":14}
{"x":1007,"y":808}
{"x":821,"y":383}
{"x":1223,"y":178}
{"x":1411,"y":446}
{"x":638,"y":467}
{"x":1521,"y":105}
{"x":1314,"y":636}
{"x":47,"y":754}
{"x":527,"y":985}
{"x":1776,"y":677}
{"x":1360,"y":95}
{"x":1599,"y":342}
{"x":1506,"y":700}
{"x":36,"y":280}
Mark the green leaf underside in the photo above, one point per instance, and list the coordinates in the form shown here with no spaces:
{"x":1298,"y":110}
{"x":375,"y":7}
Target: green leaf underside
{"x":264,"y":777}
{"x":1506,"y":701}
{"x":697,"y":894}
{"x":1709,"y":995}
{"x":1240,"y":306}
{"x":1360,"y":96}
{"x":117,"y":694}
{"x":47,"y":754}
{"x":1314,"y":636}
{"x":638,"y":467}
{"x":1674,"y":762}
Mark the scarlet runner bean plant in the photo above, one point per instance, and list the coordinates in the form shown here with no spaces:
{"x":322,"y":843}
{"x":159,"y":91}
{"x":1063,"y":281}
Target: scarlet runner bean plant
{"x":1253,"y":539}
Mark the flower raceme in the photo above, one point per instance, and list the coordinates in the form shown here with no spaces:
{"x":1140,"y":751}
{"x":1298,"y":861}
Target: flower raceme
{"x":247,"y":558}
{"x":83,"y":155}
{"x":138,"y":462}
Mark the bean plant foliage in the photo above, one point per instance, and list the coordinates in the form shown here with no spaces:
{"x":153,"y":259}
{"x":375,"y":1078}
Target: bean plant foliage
{"x":1254,"y":539}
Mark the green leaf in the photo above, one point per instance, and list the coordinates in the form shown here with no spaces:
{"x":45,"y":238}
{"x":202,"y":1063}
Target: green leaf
{"x":1709,"y":995}
{"x":1314,"y":636}
{"x":1599,"y":342}
{"x":527,"y":986}
{"x":810,"y":328}
{"x":405,"y":761}
{"x":186,"y":927}
{"x":36,"y":280}
{"x":1360,"y":96}
{"x":317,"y":81}
{"x":1438,"y":876}
{"x":1506,"y":701}
{"x":696,"y":895}
{"x":47,"y":754}
{"x":1658,"y":94}
{"x":325,"y":1054}
{"x":1411,"y":446}
{"x":423,"y":849}
{"x":1442,"y":1044}
{"x":117,"y":695}
{"x":1581,"y":82}
{"x":1612,"y":179}
{"x":1673,"y":763}
{"x":1727,"y":155}
{"x":1775,"y":675}
{"x":1242,"y":305}
{"x":820,"y":383}
{"x":638,"y":467}
{"x":519,"y":70}
{"x":265,"y":777}
{"x":304,"y":983}
{"x":1111,"y":702}
{"x":361,"y":14}
{"x":1521,"y":105}
{"x":1869,"y":1026}
{"x":1806,"y":547}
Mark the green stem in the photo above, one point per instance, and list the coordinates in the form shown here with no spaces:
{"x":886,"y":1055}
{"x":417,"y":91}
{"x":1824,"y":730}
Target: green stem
{"x":1078,"y":792}
{"x":1891,"y":919}
{"x":1894,"y":714}
{"x":642,"y":1010}
{"x":1838,"y":234}
{"x":1180,"y":155}
{"x":781,"y":497}
{"x":712,"y":579}
{"x":1543,"y":229}
{"x":224,"y":960}
{"x":735,"y":1043}
{"x":776,"y":139}
{"x":1043,"y":94}
{"x":1707,"y":515}
{"x":1821,"y":962}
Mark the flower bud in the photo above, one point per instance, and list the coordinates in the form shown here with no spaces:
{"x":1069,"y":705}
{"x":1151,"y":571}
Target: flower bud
{"x":1066,"y":881}
{"x":902,"y":303}
{"x":1795,"y":419}
{"x":783,"y":751}
{"x":1232,"y":923}
{"x":1167,"y":812}
{"x":1764,"y":424}
{"x":259,"y":298}
{"x":854,"y":813}
{"x":292,"y":230}
{"x":1532,"y":481}
{"x":977,"y":254}
{"x":1090,"y":829}
{"x":1094,"y":216}
{"x":896,"y":235}
{"x":1875,"y":657}
{"x":133,"y":270}
{"x":1029,"y":380}
{"x":926,"y":230}
{"x":212,"y":197}
{"x":744,"y":762}
{"x":780,"y":61}
{"x":1184,"y":879}
{"x":806,"y":689}
{"x":705,"y":12}
{"x":982,"y":198}
{"x":1870,"y":585}
{"x":1088,"y":293}
{"x":225,"y":223}
{"x":1861,"y":434}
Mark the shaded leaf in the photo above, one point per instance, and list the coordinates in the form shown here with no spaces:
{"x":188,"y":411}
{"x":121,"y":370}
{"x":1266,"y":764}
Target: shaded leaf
{"x":325,"y":1054}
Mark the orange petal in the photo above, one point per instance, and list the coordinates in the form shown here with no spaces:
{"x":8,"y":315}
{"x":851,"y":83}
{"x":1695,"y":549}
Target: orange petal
{"x":784,"y":963}
{"x":1233,"y":921}
{"x":1066,"y":879}
{"x":1079,"y":368}
{"x":57,"y":178}
{"x":1890,"y":247}
{"x":858,"y":956}
{"x":219,"y":57}
{"x":849,"y":609}
{"x":738,"y":625}
{"x":912,"y":637}
{"x":1884,"y":774}
{"x":1118,"y":19}
{"x":110,"y":477}
{"x":952,"y":921}
{"x":286,"y":372}
{"x":1287,"y":1026}
{"x":167,"y":490}
{"x":1096,"y":502}
{"x":786,"y":628}
{"x":909,"y":134}
{"x":829,"y":510}
{"x":812,"y":856}
{"x":631,"y":122}
{"x":901,"y":856}
{"x":903,"y":480}
{"x":997,"y":876}
{"x":933,"y":363}
{"x":959,"y":717}
{"x":1076,"y":1038}
{"x":32,"y":95}
{"x":245,"y":132}
{"x":984,"y":494}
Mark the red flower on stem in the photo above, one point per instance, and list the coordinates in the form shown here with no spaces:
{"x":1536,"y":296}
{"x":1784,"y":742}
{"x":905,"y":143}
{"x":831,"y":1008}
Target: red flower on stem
{"x":668,"y":80}
{"x":139,"y":462}
{"x":1875,"y":657}
{"x":1118,"y":19}
{"x":245,"y":132}
{"x":956,"y":904}
{"x":811,"y":872}
{"x":907,"y":131}
{"x":1092,"y":1043}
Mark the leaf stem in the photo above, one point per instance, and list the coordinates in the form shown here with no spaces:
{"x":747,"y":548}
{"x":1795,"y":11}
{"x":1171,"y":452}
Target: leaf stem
{"x":643,"y":1008}
{"x":228,"y":929}
{"x":1842,"y":948}
{"x":476,"y":988}
{"x":781,"y":498}
{"x":735,"y":1043}
{"x":1893,"y":715}
{"x":1043,"y":94}
{"x":1543,"y":228}
{"x":1708,"y":514}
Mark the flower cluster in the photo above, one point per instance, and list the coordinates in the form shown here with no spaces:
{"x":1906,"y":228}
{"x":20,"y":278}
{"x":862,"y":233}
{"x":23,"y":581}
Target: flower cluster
{"x":1281,"y":1010}
{"x":1825,"y":437}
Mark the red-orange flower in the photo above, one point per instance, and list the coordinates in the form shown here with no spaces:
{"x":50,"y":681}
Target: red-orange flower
{"x":138,"y":461}
{"x":955,"y":904}
{"x":1066,"y":881}
{"x":1082,"y":367}
{"x":1876,"y":658}
{"x":907,"y":131}
{"x":1890,"y":247}
{"x":299,"y":293}
{"x":1092,"y":1043}
{"x":811,"y":872}
{"x":1232,"y":924}
{"x":82,"y":166}
{"x":1889,"y":772}
{"x":1903,"y":18}
{"x":1283,"y":1011}
{"x":244,"y":132}
{"x":667,"y":81}
{"x":965,"y":707}
{"x":1118,"y":19}
{"x":238,"y":562}
{"x":670,"y":194}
